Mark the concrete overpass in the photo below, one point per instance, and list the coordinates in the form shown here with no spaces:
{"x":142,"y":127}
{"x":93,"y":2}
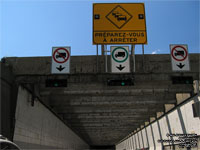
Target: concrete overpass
{"x":100,"y":114}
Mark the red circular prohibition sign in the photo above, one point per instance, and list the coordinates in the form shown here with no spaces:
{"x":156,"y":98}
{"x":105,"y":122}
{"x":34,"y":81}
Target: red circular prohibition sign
{"x":174,"y":49}
{"x":56,"y":51}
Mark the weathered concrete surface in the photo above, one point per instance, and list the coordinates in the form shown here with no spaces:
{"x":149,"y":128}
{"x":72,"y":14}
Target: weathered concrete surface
{"x":8,"y":96}
{"x":37,"y":127}
{"x":153,"y":64}
{"x":180,"y":120}
{"x":101,"y":114}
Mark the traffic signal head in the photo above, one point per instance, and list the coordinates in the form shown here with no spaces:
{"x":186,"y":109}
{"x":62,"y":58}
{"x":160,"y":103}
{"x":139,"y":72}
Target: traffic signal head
{"x":56,"y":83}
{"x":120,"y":82}
{"x":182,"y":80}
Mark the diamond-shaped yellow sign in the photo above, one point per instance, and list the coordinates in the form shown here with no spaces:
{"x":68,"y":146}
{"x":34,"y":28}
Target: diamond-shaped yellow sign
{"x":119,"y":23}
{"x":119,"y":16}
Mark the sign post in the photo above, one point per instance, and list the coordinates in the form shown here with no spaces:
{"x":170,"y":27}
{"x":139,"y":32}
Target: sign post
{"x":179,"y":57}
{"x":119,"y":23}
{"x":60,"y":60}
{"x":120,"y":59}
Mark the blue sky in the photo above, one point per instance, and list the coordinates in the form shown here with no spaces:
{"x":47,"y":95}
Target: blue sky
{"x":33,"y":27}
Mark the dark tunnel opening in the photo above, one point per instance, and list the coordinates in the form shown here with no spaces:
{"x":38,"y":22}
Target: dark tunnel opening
{"x":102,"y":147}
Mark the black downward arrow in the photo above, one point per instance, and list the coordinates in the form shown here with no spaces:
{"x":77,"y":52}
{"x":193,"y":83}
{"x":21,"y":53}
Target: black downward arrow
{"x":60,"y":68}
{"x":120,"y":67}
{"x":180,"y":65}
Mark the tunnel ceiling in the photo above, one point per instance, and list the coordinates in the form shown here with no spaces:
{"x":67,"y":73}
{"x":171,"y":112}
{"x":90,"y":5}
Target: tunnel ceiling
{"x":102,"y":114}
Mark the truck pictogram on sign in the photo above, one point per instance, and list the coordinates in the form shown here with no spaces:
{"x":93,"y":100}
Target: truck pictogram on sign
{"x":120,"y":59}
{"x":179,"y":53}
{"x":119,"y":16}
{"x":179,"y":58}
{"x":120,"y":54}
{"x":61,"y":55}
{"x":60,"y":59}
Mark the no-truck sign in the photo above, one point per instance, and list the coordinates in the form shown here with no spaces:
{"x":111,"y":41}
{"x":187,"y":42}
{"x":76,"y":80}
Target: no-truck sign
{"x":179,"y":57}
{"x":60,"y":60}
{"x":61,"y":55}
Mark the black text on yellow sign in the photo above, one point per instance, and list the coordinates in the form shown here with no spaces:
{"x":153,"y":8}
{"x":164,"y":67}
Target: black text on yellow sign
{"x":119,"y":23}
{"x":126,"y":37}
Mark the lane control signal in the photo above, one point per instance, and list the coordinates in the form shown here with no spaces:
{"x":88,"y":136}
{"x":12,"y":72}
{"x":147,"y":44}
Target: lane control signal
{"x":56,"y":83}
{"x":182,"y":80}
{"x":120,"y":82}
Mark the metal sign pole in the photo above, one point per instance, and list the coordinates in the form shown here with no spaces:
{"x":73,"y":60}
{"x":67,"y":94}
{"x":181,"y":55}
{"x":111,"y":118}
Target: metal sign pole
{"x":133,"y":56}
{"x":106,"y":66}
{"x":97,"y":57}
{"x":143,"y":56}
{"x":102,"y":50}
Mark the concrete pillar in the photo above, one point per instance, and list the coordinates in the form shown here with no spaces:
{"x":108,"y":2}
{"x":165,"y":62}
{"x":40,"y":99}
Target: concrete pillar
{"x":8,"y":101}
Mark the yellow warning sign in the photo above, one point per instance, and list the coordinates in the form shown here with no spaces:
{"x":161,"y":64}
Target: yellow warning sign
{"x":119,"y":23}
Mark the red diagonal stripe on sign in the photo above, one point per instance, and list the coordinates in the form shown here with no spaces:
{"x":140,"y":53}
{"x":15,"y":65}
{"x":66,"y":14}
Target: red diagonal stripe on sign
{"x":61,"y":55}
{"x":179,"y":53}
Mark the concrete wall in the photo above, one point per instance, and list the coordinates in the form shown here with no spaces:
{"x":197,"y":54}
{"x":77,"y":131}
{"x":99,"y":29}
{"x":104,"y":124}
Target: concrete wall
{"x":92,"y":64}
{"x":84,"y":68}
{"x":178,"y":121}
{"x":8,"y":96}
{"x":37,"y":127}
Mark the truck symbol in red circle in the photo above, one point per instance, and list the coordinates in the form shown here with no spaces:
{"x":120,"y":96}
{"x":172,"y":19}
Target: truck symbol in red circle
{"x":64,"y":55}
{"x":183,"y":53}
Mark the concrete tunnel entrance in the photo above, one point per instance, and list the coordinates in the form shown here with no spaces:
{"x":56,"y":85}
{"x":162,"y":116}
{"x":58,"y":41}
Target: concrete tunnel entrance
{"x":87,"y":112}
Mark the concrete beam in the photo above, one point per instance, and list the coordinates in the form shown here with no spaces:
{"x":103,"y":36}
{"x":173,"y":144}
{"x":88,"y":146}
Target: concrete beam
{"x":117,"y":92}
{"x":111,"y":125}
{"x":103,"y":116}
{"x":152,"y":119}
{"x":57,"y":100}
{"x":158,"y":114}
{"x":180,"y":97}
{"x":78,"y":110}
{"x":87,"y":64}
{"x":92,"y":128}
{"x":109,"y":107}
{"x":168,"y":107}
{"x":106,"y":128}
{"x":101,"y":121}
{"x":146,"y":123}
